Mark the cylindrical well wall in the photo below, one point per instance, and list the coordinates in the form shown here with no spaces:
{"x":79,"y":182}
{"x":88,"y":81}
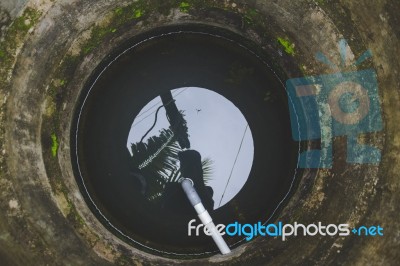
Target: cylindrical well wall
{"x":52,"y":48}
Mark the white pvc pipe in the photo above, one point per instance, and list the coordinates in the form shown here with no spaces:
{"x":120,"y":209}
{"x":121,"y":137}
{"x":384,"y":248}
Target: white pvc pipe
{"x":205,"y":218}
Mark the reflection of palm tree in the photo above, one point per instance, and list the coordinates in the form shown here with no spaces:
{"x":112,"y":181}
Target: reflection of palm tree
{"x":158,"y":162}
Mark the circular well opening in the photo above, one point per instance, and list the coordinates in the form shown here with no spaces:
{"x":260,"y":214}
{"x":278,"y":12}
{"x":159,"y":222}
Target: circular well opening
{"x":195,"y":61}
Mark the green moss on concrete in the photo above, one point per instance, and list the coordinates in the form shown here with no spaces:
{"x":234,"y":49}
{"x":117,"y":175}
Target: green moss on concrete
{"x":141,"y":9}
{"x":128,"y":13}
{"x":252,"y":16}
{"x":287,"y":45}
{"x":73,"y":214}
{"x":26,"y":21}
{"x":14,"y":38}
{"x":184,"y":7}
{"x":54,"y":145}
{"x":97,"y":36}
{"x":137,"y":13}
{"x":119,"y":17}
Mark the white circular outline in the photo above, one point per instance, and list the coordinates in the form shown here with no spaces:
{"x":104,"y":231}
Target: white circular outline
{"x":87,"y":95}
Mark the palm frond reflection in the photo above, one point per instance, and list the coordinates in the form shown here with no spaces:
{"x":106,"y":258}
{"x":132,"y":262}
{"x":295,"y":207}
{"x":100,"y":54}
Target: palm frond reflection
{"x":156,"y":163}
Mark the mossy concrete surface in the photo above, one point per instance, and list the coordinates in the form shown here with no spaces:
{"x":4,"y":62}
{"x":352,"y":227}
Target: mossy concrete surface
{"x":48,"y":50}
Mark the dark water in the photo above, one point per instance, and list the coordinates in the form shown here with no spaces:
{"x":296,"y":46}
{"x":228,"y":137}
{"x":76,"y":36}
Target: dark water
{"x":178,"y":57}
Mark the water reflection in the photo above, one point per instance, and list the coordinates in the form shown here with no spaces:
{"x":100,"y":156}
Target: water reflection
{"x":221,"y":148}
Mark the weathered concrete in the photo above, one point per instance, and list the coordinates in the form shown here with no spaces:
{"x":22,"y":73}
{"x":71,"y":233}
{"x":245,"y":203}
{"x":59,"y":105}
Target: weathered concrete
{"x":47,"y":58}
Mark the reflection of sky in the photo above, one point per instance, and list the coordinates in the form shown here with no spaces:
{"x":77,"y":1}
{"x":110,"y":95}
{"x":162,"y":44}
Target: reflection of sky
{"x":216,"y":132}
